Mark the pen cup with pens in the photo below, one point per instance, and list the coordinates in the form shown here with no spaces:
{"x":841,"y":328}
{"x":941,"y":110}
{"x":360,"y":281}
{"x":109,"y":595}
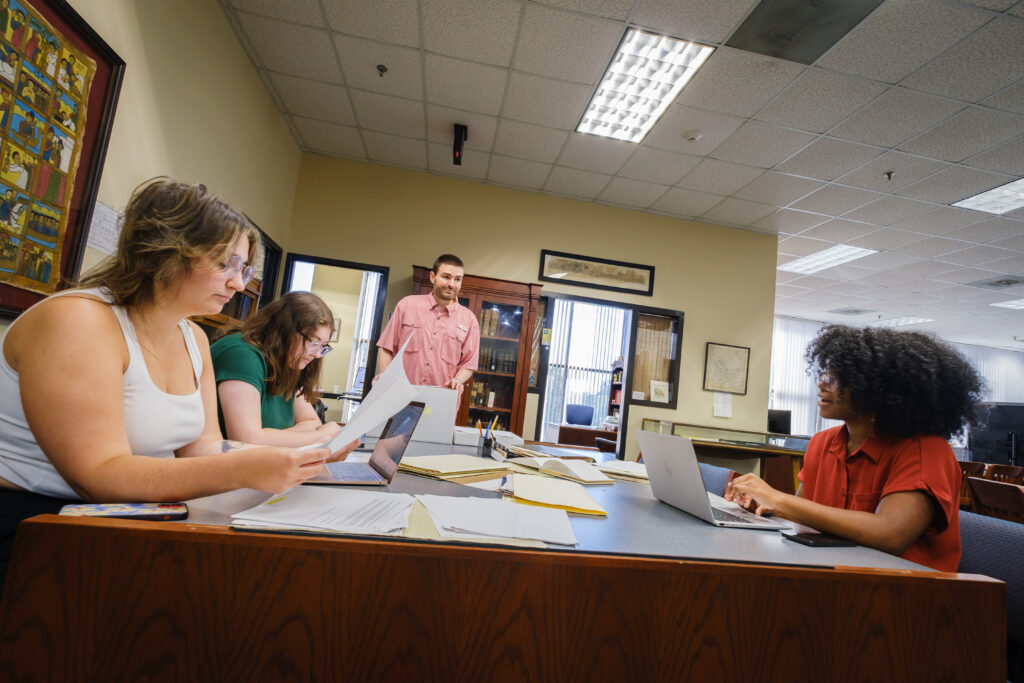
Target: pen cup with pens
{"x":487,"y":438}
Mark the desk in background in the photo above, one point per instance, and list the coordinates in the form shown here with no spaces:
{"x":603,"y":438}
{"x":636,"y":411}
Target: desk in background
{"x":649,"y":594}
{"x":579,"y":435}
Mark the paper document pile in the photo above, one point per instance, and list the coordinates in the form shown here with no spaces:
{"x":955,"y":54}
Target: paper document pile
{"x":316,"y":508}
{"x":625,"y":469}
{"x":556,"y":493}
{"x":452,"y":466}
{"x":475,"y":518}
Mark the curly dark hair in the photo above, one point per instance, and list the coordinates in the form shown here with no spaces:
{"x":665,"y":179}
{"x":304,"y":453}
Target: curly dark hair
{"x":911,"y":382}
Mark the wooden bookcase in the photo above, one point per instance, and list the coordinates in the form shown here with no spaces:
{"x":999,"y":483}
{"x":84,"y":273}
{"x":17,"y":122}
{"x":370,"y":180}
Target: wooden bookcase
{"x":507,"y":313}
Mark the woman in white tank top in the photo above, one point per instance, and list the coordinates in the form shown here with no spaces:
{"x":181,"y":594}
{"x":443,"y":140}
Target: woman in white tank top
{"x":107,"y":393}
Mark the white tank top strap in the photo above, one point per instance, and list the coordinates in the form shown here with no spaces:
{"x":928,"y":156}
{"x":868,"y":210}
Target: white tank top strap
{"x":193,"y":349}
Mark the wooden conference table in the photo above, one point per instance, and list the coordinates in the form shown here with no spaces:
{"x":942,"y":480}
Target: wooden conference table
{"x":648,"y":594}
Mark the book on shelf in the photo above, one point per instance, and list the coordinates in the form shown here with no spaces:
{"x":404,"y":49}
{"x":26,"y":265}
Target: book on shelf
{"x":575,"y":470}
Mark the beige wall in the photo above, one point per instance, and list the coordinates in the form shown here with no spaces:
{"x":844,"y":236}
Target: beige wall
{"x":339,"y":288}
{"x":723,"y":279}
{"x":192,"y":108}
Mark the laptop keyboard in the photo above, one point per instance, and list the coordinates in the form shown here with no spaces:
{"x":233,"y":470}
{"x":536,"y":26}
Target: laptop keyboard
{"x":352,"y":471}
{"x":723,"y":516}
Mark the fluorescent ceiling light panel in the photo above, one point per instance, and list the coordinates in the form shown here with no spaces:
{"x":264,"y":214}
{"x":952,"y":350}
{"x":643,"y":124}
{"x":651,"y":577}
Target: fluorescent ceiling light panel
{"x":833,"y":256}
{"x":896,"y":322}
{"x":998,"y":200}
{"x":1015,"y":304}
{"x":644,"y":77}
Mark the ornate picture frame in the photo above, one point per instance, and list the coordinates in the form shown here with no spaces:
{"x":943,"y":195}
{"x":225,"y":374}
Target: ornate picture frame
{"x":598,"y":273}
{"x":59,"y":85}
{"x":726,"y":368}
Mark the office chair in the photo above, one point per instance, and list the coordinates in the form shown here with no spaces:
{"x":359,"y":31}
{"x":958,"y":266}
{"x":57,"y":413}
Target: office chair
{"x":987,"y":547}
{"x":579,"y":414}
{"x":968,"y":469}
{"x":715,"y":477}
{"x":1011,"y":474}
{"x":997,"y":499}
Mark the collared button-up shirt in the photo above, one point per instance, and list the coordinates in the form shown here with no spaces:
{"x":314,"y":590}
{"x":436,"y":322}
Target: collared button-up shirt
{"x":884,"y":465}
{"x":444,"y":339}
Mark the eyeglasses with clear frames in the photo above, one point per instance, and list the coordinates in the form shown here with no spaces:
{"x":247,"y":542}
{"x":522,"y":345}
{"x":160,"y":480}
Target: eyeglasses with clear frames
{"x":235,"y":265}
{"x":316,"y":348}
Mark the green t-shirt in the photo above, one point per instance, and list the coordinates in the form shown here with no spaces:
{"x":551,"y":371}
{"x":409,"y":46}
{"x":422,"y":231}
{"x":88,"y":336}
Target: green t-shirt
{"x":235,"y":358}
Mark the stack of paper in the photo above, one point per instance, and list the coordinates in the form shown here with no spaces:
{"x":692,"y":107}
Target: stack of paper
{"x":556,"y":493}
{"x":627,"y":470}
{"x":576,"y":470}
{"x":330,"y":509}
{"x":451,"y":466}
{"x":539,"y":450}
{"x":478,"y":518}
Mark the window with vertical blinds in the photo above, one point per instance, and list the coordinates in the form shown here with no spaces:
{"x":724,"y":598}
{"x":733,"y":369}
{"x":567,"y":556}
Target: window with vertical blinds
{"x":585,"y":340}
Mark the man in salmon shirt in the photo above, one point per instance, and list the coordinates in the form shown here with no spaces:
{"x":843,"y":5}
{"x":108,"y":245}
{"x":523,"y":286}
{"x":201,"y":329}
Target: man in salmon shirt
{"x":445,"y":335}
{"x":886,"y":478}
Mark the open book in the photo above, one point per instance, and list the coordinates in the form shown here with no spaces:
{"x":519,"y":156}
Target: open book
{"x":541,"y":450}
{"x":576,"y":470}
{"x":625,"y":469}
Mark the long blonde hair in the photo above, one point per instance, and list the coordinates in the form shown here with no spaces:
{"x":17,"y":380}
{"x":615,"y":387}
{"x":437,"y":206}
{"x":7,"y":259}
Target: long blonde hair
{"x":168,"y":227}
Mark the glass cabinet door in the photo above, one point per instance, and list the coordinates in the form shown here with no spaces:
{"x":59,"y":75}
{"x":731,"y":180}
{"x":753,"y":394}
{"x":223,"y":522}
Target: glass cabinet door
{"x":494,"y":383}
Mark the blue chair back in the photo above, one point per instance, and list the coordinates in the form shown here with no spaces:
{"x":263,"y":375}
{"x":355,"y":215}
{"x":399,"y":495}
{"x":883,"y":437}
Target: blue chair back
{"x":715,"y":478}
{"x":579,"y":414}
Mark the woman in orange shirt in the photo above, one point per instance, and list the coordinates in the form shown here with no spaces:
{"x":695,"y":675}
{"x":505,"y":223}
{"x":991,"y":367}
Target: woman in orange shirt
{"x":885,"y":478}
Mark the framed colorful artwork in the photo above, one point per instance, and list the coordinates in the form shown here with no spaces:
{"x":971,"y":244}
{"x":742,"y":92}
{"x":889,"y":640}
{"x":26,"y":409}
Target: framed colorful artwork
{"x":59,"y":84}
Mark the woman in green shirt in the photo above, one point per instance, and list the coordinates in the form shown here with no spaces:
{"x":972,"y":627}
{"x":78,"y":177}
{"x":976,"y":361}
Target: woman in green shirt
{"x":267,"y":371}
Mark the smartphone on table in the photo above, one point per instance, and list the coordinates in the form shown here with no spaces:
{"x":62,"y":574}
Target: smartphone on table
{"x":817,"y":540}
{"x":152,"y":511}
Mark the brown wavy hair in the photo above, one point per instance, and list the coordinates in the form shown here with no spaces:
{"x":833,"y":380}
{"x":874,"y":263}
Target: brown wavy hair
{"x":272,"y":330}
{"x":169,"y":228}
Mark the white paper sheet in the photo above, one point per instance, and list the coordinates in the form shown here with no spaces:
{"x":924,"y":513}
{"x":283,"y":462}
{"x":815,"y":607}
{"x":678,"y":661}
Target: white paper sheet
{"x":333,"y":509}
{"x":467,"y":517}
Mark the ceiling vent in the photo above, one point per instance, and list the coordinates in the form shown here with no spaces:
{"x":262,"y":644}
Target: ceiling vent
{"x":998,"y":282}
{"x":851,"y":311}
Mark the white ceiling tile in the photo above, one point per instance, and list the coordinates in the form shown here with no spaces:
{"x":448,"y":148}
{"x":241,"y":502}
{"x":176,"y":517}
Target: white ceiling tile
{"x":803,"y":246}
{"x":477,"y":30}
{"x":906,"y":169}
{"x":388,"y":114}
{"x":1017,"y":10}
{"x":632,"y":193}
{"x":900,"y":37}
{"x":888,"y":210}
{"x":611,"y":9}
{"x":297,"y":11}
{"x":976,"y":256}
{"x":597,"y":154}
{"x":818,"y":100}
{"x":970,"y":132}
{"x":292,"y":49}
{"x":953,"y":184}
{"x":1014,"y":265}
{"x":895,"y":117}
{"x":658,"y":166}
{"x":1010,"y":99}
{"x":359,"y":60}
{"x":668,"y":131}
{"x":392,"y":150}
{"x":464,"y":85}
{"x":931,"y":247}
{"x":983,"y":64}
{"x":313,"y":100}
{"x":925,"y":269}
{"x":839,"y":230}
{"x":707,"y":21}
{"x":393,"y":21}
{"x":564,"y":45}
{"x":686,"y":203}
{"x":778,"y":188}
{"x":714,"y":176}
{"x":828,"y":158}
{"x":575,"y":183}
{"x":989,"y":231}
{"x":737,"y":82}
{"x":527,"y":141}
{"x":1007,"y":158}
{"x":441,"y":128}
{"x":555,"y":104}
{"x":734,"y":211}
{"x":1015,"y":242}
{"x":995,"y":5}
{"x":835,"y":200}
{"x":473,"y":166}
{"x":848,"y":272}
{"x":883,"y":240}
{"x":941,"y":220}
{"x":518,"y":172}
{"x":964,"y":275}
{"x":788,"y":220}
{"x":330,"y":138}
{"x":762,"y":145}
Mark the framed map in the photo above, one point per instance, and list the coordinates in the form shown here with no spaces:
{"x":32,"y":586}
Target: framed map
{"x":59,"y":84}
{"x":725,"y":368}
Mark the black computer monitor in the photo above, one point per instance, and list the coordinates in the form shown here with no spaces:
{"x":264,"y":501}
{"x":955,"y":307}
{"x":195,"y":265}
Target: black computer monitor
{"x":779,"y":421}
{"x":1000,"y":436}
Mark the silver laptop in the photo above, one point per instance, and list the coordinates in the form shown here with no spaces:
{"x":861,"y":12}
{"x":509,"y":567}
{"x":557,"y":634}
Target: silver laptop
{"x":437,"y":425}
{"x":676,"y":479}
{"x":383,"y":462}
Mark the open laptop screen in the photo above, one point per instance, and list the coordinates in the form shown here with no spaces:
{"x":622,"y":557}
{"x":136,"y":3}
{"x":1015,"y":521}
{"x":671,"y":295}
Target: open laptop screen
{"x":394,"y":440}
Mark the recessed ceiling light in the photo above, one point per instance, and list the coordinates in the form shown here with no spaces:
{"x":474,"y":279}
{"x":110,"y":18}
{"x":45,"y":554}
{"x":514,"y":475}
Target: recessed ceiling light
{"x":1016,"y":304}
{"x":998,"y":200}
{"x":833,"y":256}
{"x":896,"y":322}
{"x":644,"y":77}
